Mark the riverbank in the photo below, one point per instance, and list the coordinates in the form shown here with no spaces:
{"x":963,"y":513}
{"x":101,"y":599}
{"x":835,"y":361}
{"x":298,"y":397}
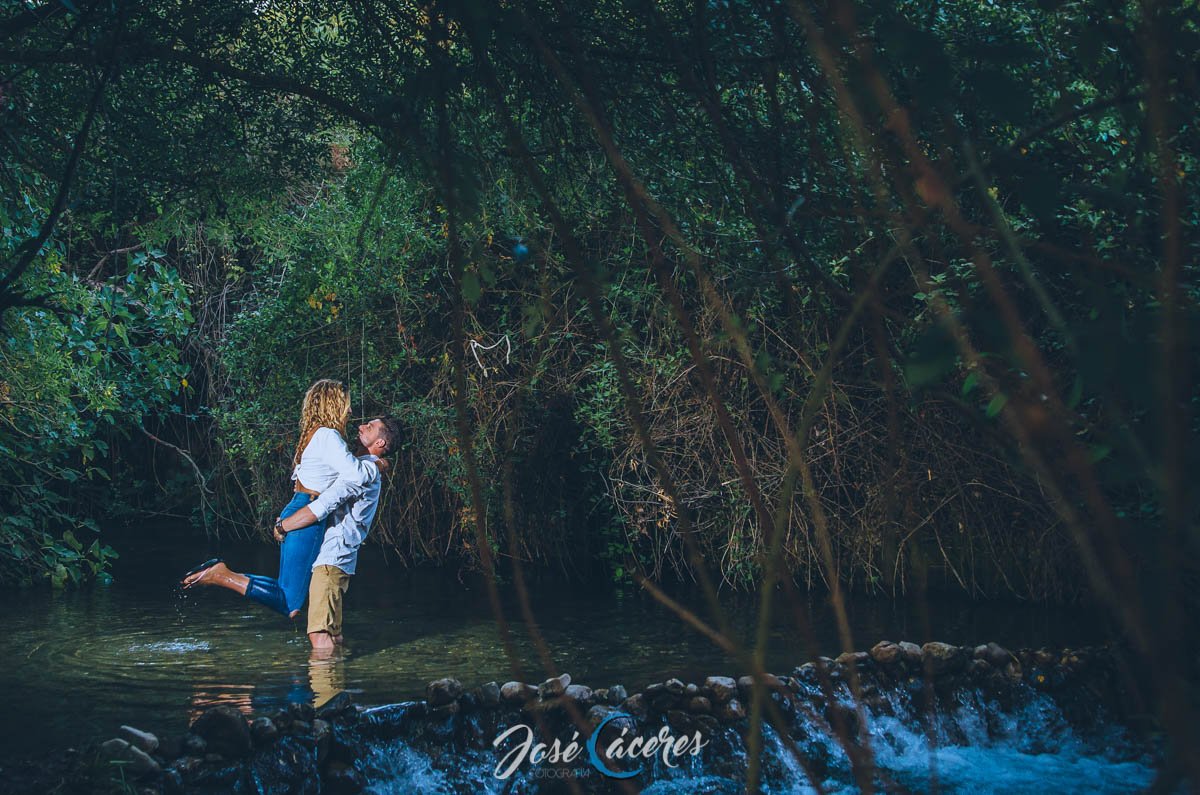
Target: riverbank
{"x":87,"y":660}
{"x":922,"y":712}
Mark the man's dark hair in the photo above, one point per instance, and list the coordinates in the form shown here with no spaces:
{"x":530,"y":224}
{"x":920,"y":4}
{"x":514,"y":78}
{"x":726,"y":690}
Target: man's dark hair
{"x":391,"y":432}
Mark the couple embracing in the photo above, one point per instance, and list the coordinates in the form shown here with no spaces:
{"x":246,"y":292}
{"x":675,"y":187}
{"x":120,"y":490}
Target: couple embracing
{"x":321,"y":528}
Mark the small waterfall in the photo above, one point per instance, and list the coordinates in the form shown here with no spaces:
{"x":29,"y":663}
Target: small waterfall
{"x":904,"y":717}
{"x":970,"y":732}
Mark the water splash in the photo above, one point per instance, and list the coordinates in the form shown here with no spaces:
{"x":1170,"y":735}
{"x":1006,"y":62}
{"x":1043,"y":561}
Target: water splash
{"x":972,"y":744}
{"x":181,"y":646}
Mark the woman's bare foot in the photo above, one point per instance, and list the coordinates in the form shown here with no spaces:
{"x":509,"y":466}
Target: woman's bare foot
{"x":204,"y":576}
{"x":220,"y":575}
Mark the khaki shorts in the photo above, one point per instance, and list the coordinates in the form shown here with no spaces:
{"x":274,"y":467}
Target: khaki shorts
{"x":325,"y":591}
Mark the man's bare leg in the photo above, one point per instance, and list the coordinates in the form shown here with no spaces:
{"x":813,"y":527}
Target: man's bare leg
{"x":321,"y":641}
{"x":220,"y":575}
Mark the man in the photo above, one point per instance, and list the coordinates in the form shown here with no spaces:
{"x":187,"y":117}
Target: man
{"x":350,"y":508}
{"x":347,"y":528}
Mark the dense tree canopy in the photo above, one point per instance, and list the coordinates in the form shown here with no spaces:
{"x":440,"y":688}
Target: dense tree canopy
{"x":881,"y":295}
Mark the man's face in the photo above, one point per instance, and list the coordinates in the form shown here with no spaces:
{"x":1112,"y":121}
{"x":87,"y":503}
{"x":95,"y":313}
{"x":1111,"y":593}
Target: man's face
{"x":371,"y":436}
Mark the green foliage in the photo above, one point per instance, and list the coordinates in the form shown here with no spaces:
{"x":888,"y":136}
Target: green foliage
{"x":101,"y":360}
{"x":291,"y":166}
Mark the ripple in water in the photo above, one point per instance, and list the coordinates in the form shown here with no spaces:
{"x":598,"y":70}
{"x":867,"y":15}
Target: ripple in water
{"x":182,"y":646}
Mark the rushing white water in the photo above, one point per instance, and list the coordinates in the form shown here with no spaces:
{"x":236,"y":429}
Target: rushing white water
{"x":971,"y":746}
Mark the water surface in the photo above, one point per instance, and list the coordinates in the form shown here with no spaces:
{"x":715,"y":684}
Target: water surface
{"x":83,"y":662}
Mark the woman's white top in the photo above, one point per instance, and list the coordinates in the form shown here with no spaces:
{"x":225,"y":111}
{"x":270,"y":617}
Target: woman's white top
{"x":327,"y":466}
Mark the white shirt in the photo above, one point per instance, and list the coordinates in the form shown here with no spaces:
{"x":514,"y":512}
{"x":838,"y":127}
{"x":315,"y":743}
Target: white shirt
{"x":348,"y":525}
{"x":327,"y":466}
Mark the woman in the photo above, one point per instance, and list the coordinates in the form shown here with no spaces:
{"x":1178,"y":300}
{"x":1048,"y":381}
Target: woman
{"x":322,"y":462}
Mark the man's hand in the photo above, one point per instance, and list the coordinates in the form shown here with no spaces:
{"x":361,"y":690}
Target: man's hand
{"x":301,"y":518}
{"x":383,"y":465}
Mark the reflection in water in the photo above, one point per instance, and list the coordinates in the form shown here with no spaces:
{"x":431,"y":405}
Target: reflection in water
{"x":136,"y":653}
{"x":326,"y":674}
{"x":317,"y":684}
{"x":231,"y":695}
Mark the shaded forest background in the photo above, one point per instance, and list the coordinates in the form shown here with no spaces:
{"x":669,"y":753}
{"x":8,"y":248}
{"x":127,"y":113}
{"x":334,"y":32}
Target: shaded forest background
{"x":886,"y":295}
{"x":895,"y":297}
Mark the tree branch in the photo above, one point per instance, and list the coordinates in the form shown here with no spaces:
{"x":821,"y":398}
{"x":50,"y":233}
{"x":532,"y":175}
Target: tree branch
{"x":28,"y":18}
{"x":28,"y":250}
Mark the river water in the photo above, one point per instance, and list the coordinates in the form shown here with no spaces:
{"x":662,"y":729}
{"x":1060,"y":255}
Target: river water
{"x":82,"y":662}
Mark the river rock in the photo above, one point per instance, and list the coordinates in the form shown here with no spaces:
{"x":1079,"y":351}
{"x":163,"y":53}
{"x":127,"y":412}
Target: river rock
{"x":580,"y":693}
{"x":994,"y":655}
{"x":302,"y":711}
{"x":322,"y":732}
{"x":659,"y":698}
{"x":263,"y":730}
{"x":225,"y":731}
{"x":188,"y":766}
{"x":596,"y":715}
{"x":885,"y":652}
{"x":440,"y":692}
{"x":172,"y":782}
{"x":680,"y":721}
{"x":343,"y":745}
{"x":910,"y":652}
{"x":288,"y":766}
{"x":745,"y":685}
{"x":722,"y":688}
{"x":340,"y":779}
{"x":194,"y":745}
{"x":806,"y":673}
{"x":489,"y":694}
{"x":114,"y":748}
{"x":555,"y":686}
{"x":142,"y":764}
{"x":700,"y":705}
{"x":219,"y":774}
{"x":942,"y":658}
{"x":852,"y":659}
{"x":635,"y":705}
{"x":675,"y":687}
{"x":139,"y":739}
{"x":341,"y":705}
{"x":171,"y":746}
{"x":517,"y":692}
{"x":135,"y":760}
{"x":731,"y":710}
{"x":617,"y":694}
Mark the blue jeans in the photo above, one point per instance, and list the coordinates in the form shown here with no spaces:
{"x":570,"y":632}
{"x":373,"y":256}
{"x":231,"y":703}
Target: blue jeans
{"x":296,"y":556}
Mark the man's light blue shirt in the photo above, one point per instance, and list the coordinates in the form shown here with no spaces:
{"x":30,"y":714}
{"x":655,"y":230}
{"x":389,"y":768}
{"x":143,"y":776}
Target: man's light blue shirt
{"x":349,"y":522}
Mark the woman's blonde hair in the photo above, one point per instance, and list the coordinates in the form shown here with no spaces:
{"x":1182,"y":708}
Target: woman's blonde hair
{"x":326,"y":405}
